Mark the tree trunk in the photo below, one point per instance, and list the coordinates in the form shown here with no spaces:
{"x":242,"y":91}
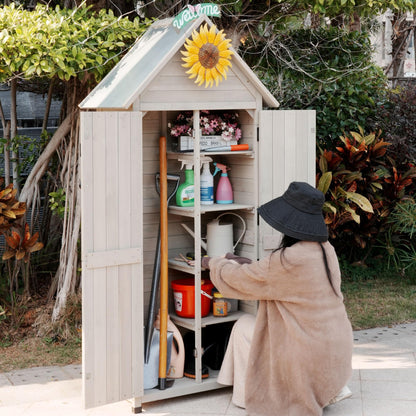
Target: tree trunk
{"x":32,"y":182}
{"x":6,"y":147}
{"x":48,"y":107}
{"x":13,"y":133}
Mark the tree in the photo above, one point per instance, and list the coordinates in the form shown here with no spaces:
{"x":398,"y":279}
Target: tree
{"x":76,"y":47}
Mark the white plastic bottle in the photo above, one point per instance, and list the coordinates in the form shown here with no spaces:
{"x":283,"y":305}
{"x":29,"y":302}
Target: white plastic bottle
{"x":207,"y":185}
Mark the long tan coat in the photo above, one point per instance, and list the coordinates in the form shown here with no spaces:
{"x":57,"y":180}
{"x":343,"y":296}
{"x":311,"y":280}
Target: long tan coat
{"x":301,"y":352}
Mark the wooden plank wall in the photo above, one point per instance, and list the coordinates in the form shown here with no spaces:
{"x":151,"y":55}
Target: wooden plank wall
{"x":111,"y":256}
{"x":173,"y":90}
{"x":286,"y":153}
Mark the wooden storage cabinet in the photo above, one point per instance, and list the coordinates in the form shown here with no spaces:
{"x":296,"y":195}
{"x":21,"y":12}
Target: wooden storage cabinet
{"x":120,"y":124}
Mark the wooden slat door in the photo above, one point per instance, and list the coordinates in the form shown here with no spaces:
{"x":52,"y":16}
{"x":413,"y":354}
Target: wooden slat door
{"x":112,"y":275}
{"x":287,"y":147}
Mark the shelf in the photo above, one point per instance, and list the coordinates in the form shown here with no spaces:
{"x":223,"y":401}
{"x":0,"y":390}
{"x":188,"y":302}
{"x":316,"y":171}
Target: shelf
{"x":189,"y":211}
{"x":174,"y":155}
{"x":189,"y":323}
{"x":182,"y":387}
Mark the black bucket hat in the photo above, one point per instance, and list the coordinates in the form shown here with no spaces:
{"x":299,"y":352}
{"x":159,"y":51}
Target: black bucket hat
{"x":297,"y":213}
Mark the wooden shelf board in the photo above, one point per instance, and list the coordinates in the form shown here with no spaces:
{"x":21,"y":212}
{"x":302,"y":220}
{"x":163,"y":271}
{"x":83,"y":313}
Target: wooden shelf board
{"x":189,"y":211}
{"x":175,"y":155}
{"x":189,"y":323}
{"x":182,"y":387}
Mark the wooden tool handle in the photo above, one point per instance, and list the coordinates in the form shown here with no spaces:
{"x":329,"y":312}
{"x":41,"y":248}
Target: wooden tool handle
{"x":164,"y":285}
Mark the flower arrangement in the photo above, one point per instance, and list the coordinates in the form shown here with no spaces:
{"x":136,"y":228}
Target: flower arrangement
{"x":211,"y":123}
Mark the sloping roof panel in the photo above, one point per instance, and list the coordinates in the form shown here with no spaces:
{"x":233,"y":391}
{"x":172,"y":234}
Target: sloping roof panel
{"x":134,"y":70}
{"x":124,"y":83}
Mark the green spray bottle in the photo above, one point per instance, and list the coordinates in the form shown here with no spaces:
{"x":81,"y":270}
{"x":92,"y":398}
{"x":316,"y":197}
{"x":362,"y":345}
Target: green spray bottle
{"x":186,"y":193}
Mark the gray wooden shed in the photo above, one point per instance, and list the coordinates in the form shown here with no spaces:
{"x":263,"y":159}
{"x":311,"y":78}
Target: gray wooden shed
{"x":121,"y":122}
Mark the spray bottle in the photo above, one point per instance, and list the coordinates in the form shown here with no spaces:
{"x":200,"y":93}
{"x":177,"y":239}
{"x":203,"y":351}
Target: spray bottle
{"x":207,"y":183}
{"x":185,"y":192}
{"x":224,"y":194}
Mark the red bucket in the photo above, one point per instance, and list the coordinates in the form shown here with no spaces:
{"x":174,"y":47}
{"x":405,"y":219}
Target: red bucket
{"x":184,"y":297}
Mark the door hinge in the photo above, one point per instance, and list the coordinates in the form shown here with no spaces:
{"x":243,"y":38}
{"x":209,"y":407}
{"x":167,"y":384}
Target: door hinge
{"x":258,"y":134}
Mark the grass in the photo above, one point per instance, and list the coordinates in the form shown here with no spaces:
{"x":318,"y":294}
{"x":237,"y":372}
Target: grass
{"x":35,"y":352}
{"x":376,"y":295}
{"x":381,"y":302}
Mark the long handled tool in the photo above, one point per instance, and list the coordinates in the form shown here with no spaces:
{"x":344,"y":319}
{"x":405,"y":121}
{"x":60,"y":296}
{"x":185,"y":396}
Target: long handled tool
{"x":173,"y":180}
{"x":163,"y":264}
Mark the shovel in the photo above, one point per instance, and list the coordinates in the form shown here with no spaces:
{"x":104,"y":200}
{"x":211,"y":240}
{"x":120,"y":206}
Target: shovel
{"x":153,"y":338}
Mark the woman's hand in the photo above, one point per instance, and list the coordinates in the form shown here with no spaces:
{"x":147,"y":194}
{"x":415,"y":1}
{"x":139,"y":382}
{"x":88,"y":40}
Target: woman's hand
{"x":238,"y":259}
{"x":205,"y":262}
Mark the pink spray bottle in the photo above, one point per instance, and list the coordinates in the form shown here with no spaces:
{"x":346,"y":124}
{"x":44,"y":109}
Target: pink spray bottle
{"x":224,"y":194}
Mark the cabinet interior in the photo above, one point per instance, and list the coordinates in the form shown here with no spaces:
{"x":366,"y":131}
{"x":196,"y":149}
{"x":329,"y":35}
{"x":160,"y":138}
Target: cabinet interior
{"x":243,"y":177}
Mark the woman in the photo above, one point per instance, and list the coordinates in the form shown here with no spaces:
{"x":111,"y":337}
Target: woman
{"x":294,"y":357}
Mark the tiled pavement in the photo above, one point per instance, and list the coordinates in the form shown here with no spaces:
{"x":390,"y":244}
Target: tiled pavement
{"x":383,"y":384}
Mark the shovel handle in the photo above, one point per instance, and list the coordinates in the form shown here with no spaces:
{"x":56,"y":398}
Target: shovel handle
{"x":163,"y":264}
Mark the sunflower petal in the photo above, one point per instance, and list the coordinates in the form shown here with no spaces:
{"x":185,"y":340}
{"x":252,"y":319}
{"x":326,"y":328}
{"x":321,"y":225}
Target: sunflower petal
{"x":226,"y":54}
{"x":216,"y":76}
{"x":224,"y":45}
{"x":219,"y":37}
{"x":203,"y":33}
{"x":201,"y":76}
{"x":208,"y":78}
{"x":197,"y":39}
{"x":194,"y":70}
{"x":224,"y":62}
{"x":221,"y":70}
{"x":192,"y":49}
{"x":212,"y":34}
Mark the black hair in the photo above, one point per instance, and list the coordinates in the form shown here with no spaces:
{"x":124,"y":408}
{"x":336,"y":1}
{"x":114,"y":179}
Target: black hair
{"x":288,"y":241}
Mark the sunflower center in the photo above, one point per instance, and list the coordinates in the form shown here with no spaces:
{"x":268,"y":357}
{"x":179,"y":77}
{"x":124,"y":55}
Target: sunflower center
{"x":209,"y":55}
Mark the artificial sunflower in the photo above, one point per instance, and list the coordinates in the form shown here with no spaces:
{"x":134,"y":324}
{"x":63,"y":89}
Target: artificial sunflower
{"x":207,"y":55}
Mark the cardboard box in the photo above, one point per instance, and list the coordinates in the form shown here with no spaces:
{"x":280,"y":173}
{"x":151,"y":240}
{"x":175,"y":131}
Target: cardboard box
{"x":187,"y":142}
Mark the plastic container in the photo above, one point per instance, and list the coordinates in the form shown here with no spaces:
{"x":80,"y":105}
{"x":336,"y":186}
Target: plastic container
{"x":184,"y":297}
{"x":219,"y":306}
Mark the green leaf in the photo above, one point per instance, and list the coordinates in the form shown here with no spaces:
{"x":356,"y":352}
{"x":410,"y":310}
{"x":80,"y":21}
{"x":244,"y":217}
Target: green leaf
{"x":325,"y":182}
{"x":360,"y":200}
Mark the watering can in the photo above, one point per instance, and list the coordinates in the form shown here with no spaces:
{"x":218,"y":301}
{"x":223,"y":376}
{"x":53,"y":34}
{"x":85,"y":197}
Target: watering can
{"x":219,"y":236}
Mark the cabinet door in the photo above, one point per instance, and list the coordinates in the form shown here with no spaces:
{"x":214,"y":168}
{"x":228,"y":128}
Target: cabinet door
{"x":287,"y":152}
{"x":112,"y":289}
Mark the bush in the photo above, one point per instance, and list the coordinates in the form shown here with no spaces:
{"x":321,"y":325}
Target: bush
{"x":363,"y":186}
{"x":329,"y":70}
{"x":397,"y":119}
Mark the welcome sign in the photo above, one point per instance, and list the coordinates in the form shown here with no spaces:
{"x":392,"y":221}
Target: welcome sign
{"x":193,"y":12}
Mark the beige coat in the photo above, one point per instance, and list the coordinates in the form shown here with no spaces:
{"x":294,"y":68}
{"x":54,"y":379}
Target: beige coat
{"x":300,"y":356}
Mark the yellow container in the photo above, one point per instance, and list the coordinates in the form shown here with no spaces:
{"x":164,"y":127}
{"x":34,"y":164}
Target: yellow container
{"x":219,"y":307}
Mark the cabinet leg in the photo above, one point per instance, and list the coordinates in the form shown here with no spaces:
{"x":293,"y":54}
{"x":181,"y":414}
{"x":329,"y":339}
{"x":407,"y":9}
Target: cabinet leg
{"x":136,"y":405}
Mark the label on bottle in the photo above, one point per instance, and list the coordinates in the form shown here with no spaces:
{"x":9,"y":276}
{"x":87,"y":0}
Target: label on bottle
{"x":188,"y":194}
{"x":207,"y":195}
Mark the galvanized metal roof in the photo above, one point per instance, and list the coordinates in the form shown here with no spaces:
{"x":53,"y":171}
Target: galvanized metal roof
{"x":129,"y":78}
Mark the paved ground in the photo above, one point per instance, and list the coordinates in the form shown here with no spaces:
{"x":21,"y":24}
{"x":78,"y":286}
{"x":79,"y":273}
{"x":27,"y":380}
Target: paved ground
{"x":383,"y":384}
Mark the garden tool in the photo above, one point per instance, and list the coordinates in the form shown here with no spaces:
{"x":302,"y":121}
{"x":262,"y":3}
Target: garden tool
{"x":152,"y":336}
{"x":164,"y":283}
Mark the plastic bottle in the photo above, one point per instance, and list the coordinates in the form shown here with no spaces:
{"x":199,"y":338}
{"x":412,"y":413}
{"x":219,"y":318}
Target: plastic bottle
{"x":224,"y":194}
{"x":207,"y":185}
{"x":185,"y":192}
